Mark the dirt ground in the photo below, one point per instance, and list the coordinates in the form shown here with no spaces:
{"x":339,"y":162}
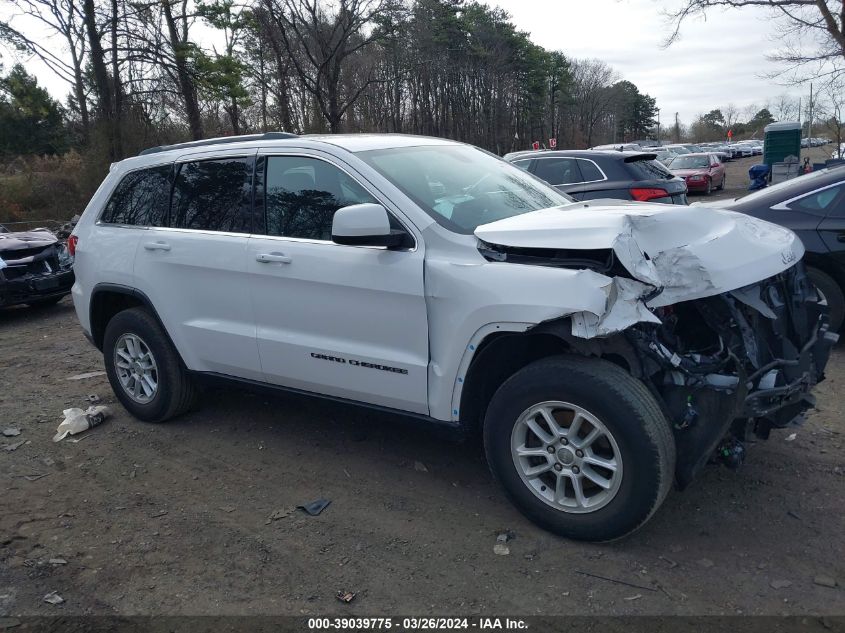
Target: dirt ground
{"x":175,"y":518}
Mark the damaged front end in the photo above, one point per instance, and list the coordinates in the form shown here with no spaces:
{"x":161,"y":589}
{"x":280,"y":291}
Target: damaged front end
{"x":34,"y":267}
{"x":734,"y":363}
{"x":712,"y":310}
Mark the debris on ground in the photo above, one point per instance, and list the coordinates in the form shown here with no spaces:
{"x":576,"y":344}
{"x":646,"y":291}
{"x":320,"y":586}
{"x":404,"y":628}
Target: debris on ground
{"x":315,"y":507}
{"x":89,"y":374}
{"x":791,"y":437}
{"x":57,"y":561}
{"x":420,"y":467}
{"x":672,"y":564}
{"x":281,"y":513}
{"x":636,"y":596}
{"x":160,"y":513}
{"x":11,"y":432}
{"x":780,"y":584}
{"x":93,"y":398}
{"x":825,"y":581}
{"x":15,"y":446}
{"x":501,"y":547}
{"x":345,"y":596}
{"x":706,"y":563}
{"x":76,"y":420}
{"x":54,"y":598}
{"x":35,"y":477}
{"x":615,"y":580}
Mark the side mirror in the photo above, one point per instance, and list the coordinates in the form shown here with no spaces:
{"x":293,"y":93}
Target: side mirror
{"x":365,"y":225}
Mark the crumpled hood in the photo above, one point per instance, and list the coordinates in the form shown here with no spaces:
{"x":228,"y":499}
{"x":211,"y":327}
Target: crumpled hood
{"x":687,"y":252}
{"x":25,"y":240}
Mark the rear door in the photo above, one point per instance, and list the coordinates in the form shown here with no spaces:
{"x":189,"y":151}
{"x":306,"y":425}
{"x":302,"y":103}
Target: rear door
{"x":193,"y":269}
{"x":344,"y":321}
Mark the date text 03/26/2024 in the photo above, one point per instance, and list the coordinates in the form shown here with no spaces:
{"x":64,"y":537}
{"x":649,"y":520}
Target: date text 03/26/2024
{"x":417,"y":624}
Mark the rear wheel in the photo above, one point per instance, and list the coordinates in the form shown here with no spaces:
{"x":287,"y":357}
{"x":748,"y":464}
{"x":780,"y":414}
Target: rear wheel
{"x":580,"y":446}
{"x":144,"y":369}
{"x":830,"y":293}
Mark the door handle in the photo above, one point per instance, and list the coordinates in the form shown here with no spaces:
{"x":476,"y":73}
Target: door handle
{"x":157,"y":246}
{"x":269,"y":258}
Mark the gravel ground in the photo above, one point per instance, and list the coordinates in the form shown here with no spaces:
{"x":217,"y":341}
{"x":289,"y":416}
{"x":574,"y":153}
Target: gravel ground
{"x":177,"y":518}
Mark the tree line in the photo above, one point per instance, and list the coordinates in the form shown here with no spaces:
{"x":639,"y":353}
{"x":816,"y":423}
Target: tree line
{"x":142,"y":72}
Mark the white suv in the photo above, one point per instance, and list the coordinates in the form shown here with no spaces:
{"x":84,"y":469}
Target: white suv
{"x":603,"y":350}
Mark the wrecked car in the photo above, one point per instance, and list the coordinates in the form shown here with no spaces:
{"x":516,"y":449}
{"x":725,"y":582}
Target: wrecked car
{"x":35,"y":268}
{"x":604,"y":350}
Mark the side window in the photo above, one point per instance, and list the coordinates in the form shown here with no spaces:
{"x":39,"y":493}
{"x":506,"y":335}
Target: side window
{"x":522,"y":164}
{"x":140,"y":199}
{"x":589,"y":171}
{"x":213,"y":195}
{"x":558,"y":171}
{"x":830,"y":201}
{"x":302,"y":194}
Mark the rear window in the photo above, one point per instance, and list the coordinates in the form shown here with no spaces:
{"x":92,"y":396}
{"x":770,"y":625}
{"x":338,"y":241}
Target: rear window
{"x":648,"y":170}
{"x":140,"y":199}
{"x":589,"y":171}
{"x":213,"y":195}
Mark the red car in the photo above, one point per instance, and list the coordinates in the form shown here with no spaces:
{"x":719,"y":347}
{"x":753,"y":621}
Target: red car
{"x":702,"y":172}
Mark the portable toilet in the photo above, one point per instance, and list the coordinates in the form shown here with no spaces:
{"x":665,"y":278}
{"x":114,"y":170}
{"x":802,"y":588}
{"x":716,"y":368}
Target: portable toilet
{"x":782,"y":139}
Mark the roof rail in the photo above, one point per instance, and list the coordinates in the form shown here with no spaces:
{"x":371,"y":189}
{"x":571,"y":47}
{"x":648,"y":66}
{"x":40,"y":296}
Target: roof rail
{"x":222,"y":140}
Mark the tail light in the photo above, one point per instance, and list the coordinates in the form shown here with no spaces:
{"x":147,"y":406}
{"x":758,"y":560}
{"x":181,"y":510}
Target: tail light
{"x":71,"y":245}
{"x":648,"y":193}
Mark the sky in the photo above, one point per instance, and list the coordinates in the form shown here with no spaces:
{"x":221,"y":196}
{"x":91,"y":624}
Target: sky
{"x":718,"y":61}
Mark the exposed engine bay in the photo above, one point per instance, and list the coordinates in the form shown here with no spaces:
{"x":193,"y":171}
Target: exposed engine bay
{"x":35,"y":266}
{"x":723,"y":366}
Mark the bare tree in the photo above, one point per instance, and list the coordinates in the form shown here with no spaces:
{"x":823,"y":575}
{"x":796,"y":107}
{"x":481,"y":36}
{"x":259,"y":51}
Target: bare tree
{"x":812,"y":32}
{"x":322,"y":42}
{"x":64,"y":18}
{"x":784,"y":108}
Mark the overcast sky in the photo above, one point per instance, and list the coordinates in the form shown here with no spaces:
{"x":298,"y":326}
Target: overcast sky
{"x":716,"y":62}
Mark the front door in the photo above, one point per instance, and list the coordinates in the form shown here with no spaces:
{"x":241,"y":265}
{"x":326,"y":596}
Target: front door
{"x":344,"y":321}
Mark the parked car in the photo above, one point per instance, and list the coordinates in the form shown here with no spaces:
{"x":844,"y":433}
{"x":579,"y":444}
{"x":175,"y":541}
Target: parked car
{"x":740,"y":150}
{"x":595,"y":174}
{"x":664,"y":156}
{"x":702,"y":172}
{"x":813,"y":206}
{"x":678,"y":149}
{"x":602,"y":350}
{"x":620,"y":147}
{"x":35,"y":268}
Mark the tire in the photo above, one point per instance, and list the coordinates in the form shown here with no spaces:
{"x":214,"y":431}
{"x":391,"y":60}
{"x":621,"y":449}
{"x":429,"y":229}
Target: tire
{"x":175,"y":390}
{"x":832,"y":293}
{"x":634,"y":421}
{"x":709,"y":189}
{"x":45,"y":303}
{"x":721,"y":186}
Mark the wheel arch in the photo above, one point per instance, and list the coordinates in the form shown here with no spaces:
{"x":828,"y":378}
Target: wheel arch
{"x":502,"y":353}
{"x":107,"y":300}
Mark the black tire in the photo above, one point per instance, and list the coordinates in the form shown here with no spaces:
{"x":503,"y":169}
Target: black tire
{"x":709,"y":189}
{"x":628,"y":410}
{"x":176,"y":392}
{"x":721,"y":186}
{"x":44,"y":303}
{"x":832,"y":293}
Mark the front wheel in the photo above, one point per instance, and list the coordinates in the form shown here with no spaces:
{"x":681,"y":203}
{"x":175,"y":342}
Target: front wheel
{"x":709,"y":188}
{"x":580,"y":446}
{"x":831,"y":294}
{"x":722,"y":184}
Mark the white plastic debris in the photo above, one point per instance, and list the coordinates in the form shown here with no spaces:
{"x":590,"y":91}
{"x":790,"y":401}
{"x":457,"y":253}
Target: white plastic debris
{"x":88,"y":374}
{"x":54,"y":598}
{"x":76,"y":420}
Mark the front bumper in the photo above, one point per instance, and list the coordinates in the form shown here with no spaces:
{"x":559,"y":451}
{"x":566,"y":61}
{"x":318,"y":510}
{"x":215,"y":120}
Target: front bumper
{"x":743,"y":361}
{"x":696,"y":185}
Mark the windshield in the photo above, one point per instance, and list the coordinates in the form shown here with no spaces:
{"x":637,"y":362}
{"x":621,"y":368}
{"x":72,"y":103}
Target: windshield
{"x":690,"y":162}
{"x":463,"y":187}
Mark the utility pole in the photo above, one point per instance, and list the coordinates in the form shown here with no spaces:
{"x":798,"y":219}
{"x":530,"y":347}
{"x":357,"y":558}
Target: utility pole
{"x":810,"y":116}
{"x":677,"y":129}
{"x":658,"y":126}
